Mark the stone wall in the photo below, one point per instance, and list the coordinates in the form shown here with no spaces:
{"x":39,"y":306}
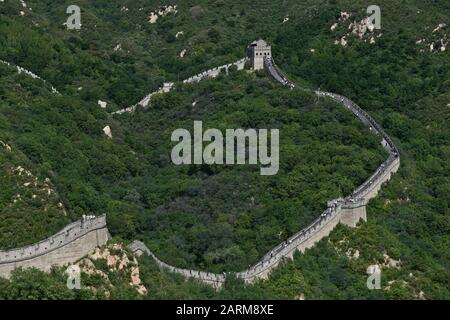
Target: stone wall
{"x":257,"y":52}
{"x":216,"y":280}
{"x":29,"y":73}
{"x":301,"y":241}
{"x":348,"y":211}
{"x":213,"y":73}
{"x":67,"y":246}
{"x":208,"y":74}
{"x":79,"y":238}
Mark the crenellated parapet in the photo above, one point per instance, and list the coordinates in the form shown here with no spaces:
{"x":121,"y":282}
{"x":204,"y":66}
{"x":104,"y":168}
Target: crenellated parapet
{"x":306,"y":238}
{"x":81,"y":237}
{"x":348,"y":211}
{"x":29,"y":73}
{"x":208,"y":74}
{"x":214,"y":72}
{"x":68,"y":245}
{"x":216,"y":280}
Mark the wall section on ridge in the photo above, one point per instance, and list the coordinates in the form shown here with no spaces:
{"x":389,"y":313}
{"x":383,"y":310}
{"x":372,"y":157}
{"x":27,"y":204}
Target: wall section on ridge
{"x":65,"y":247}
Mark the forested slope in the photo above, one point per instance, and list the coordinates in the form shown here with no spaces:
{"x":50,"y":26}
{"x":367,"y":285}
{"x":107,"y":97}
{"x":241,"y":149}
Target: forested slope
{"x":402,"y":78}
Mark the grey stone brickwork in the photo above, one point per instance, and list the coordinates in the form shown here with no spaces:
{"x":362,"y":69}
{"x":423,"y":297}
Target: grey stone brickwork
{"x":257,"y":52}
{"x":67,"y":246}
{"x":348,"y":211}
{"x":81,"y":237}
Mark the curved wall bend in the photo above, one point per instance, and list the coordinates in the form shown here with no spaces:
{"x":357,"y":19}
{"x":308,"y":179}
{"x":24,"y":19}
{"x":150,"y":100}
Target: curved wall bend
{"x":79,"y":238}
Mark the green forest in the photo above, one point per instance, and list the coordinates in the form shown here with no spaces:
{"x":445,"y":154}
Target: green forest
{"x":56,"y":164}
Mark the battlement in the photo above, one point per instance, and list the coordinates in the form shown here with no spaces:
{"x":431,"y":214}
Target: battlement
{"x":68,"y":245}
{"x":167,"y":87}
{"x":257,"y":52}
{"x":79,"y":238}
{"x":348,"y":211}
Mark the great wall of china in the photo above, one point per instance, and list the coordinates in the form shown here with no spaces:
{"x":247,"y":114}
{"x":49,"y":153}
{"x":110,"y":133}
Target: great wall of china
{"x":348,"y":211}
{"x":211,"y":73}
{"x":29,"y":73}
{"x":81,"y":237}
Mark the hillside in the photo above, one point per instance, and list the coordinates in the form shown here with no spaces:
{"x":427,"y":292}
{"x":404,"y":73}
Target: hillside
{"x":55,"y":156}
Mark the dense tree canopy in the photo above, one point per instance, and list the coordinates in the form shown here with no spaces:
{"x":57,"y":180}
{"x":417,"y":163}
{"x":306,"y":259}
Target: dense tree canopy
{"x":60,"y":165}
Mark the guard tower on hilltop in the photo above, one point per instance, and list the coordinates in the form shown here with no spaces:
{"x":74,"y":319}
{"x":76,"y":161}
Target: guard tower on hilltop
{"x":257,"y":51}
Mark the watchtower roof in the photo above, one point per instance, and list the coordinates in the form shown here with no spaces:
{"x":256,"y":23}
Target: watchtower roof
{"x":259,"y":43}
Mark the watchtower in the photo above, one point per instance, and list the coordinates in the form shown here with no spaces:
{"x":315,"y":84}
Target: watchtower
{"x":257,"y":51}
